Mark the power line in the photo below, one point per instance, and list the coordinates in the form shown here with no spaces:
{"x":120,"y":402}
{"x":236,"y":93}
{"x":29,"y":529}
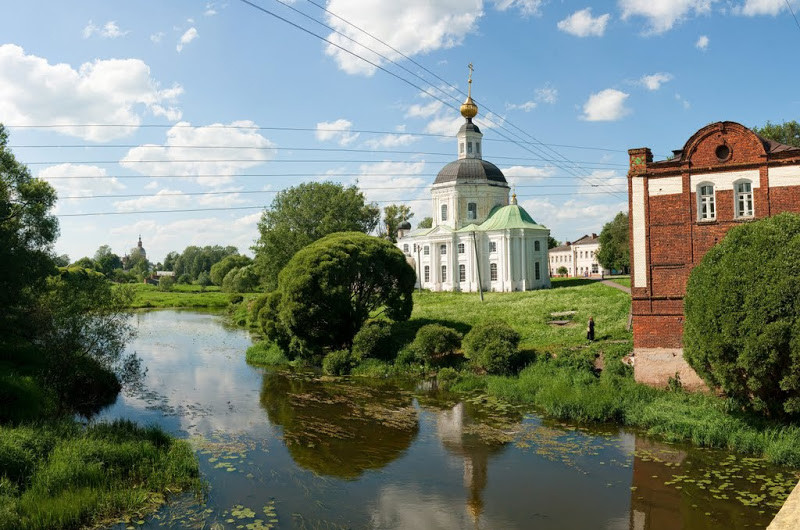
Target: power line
{"x":792,"y":12}
{"x":302,"y":175}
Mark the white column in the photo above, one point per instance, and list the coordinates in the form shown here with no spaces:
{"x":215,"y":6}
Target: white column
{"x":524,"y":261}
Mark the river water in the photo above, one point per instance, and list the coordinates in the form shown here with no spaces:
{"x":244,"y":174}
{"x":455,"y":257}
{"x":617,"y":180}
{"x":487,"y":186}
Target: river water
{"x":302,"y":451}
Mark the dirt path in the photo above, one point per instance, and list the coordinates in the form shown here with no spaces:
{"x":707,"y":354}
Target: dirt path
{"x":617,"y":286}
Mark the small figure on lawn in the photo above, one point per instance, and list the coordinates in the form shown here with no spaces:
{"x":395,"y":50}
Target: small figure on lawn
{"x":590,"y":329}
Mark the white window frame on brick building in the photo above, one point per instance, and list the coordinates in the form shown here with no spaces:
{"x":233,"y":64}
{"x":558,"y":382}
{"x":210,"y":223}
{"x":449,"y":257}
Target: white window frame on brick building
{"x":743,"y":199}
{"x":706,"y":202}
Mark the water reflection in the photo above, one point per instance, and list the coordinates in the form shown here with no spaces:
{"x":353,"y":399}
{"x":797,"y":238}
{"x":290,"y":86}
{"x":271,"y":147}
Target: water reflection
{"x":339,"y":429}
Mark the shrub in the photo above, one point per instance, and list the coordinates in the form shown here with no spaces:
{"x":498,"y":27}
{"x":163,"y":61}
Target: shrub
{"x":407,"y":356}
{"x":446,"y":377}
{"x":491,"y":346}
{"x":256,"y":305}
{"x":267,"y":353}
{"x":435,"y":343}
{"x":338,"y":362}
{"x":742,"y":329}
{"x":165,"y":283}
{"x":22,"y":399}
{"x":184,"y":279}
{"x":374,"y":340}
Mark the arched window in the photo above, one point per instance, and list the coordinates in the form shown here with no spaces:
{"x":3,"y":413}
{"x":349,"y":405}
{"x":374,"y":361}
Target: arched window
{"x":442,"y":249}
{"x":444,"y":273}
{"x":744,"y":198}
{"x":472,"y":210}
{"x":462,"y":273}
{"x":461,"y":147}
{"x":493,"y":272}
{"x":444,"y":212}
{"x":536,"y":270}
{"x":706,"y":209}
{"x":478,"y":147}
{"x":536,"y":246}
{"x":427,"y":273}
{"x":469,"y":148}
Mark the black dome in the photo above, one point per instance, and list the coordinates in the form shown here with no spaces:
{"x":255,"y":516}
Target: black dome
{"x":469,"y":126}
{"x":470,"y":169}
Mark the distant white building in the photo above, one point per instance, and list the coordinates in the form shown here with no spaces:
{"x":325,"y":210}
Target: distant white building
{"x":578,"y":257}
{"x":478,"y":237}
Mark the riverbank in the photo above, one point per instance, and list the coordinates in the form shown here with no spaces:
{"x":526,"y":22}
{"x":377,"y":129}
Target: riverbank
{"x":188,"y":296}
{"x":570,"y":378}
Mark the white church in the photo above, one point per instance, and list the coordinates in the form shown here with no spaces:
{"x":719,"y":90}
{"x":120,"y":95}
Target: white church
{"x":478,"y":238}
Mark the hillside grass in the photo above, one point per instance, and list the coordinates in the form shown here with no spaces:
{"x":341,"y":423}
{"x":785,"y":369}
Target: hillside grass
{"x":190,"y":296}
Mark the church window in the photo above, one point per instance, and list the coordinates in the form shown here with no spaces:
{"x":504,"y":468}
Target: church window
{"x":442,"y":249}
{"x":426,"y":250}
{"x":444,"y":273}
{"x":478,"y":147}
{"x":705,"y":202}
{"x":461,"y":147}
{"x":427,"y":273}
{"x":493,"y":272}
{"x":492,"y":246}
{"x":405,"y":248}
{"x":462,"y":273}
{"x":536,"y":272}
{"x":444,"y":212}
{"x":536,"y":246}
{"x":461,"y":248}
{"x":744,"y":199}
{"x":472,"y":210}
{"x":469,"y":147}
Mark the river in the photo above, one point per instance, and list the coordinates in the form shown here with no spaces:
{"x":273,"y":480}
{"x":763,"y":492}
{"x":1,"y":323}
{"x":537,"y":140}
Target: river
{"x":285,"y":450}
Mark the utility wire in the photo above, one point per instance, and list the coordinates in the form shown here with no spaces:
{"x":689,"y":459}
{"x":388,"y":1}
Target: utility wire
{"x":330,"y":176}
{"x":792,"y":12}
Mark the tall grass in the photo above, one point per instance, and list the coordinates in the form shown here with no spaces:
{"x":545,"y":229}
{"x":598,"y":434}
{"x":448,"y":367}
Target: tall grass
{"x":146,"y":296}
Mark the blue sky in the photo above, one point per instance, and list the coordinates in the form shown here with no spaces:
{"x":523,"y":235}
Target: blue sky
{"x":206,"y":92}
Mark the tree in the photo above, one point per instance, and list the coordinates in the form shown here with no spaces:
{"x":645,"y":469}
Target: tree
{"x":562,"y":271}
{"x":85,"y":263}
{"x":742,"y":326}
{"x":393,"y":216}
{"x":27,"y":232}
{"x":61,"y":260}
{"x":787,"y":132}
{"x":331,"y":287}
{"x":139,"y":265}
{"x":303,"y":214}
{"x":552,"y":242}
{"x":106,"y":261}
{"x":170,"y":259}
{"x":425,"y":223}
{"x":220,"y":269}
{"x":195,"y":260}
{"x":614,"y":251}
{"x":240,"y":280}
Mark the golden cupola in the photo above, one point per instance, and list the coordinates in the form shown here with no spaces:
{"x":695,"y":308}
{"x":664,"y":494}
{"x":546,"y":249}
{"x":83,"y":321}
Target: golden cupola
{"x":469,"y":109}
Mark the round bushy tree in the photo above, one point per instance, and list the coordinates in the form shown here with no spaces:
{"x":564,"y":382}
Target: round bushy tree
{"x":742,"y":306}
{"x":374,"y":340}
{"x":435,"y":343}
{"x":491,"y":346}
{"x":331,"y":287}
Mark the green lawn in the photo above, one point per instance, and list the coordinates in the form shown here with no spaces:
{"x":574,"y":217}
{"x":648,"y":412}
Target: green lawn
{"x":181,"y":296}
{"x":622,"y":280}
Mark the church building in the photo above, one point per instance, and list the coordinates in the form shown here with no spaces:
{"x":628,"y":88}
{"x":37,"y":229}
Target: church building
{"x":479,"y":239}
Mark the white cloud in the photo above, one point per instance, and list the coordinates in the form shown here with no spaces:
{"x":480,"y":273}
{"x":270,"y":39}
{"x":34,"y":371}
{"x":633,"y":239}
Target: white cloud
{"x":662,"y":15}
{"x":211,"y":10}
{"x":394,"y":181}
{"x":64,"y":178}
{"x":682,"y":101}
{"x":190,"y":35}
{"x":152,"y":185}
{"x":526,"y":7}
{"x":606,"y":105}
{"x":603,"y":180}
{"x":424,"y":111}
{"x":155,"y":38}
{"x":547,"y":95}
{"x":526,"y":107}
{"x":109,"y":30}
{"x":752,"y":8}
{"x":575,"y":216}
{"x":336,"y":131}
{"x":112,"y":92}
{"x":582,"y":24}
{"x":702,"y":43}
{"x":391,"y":140}
{"x":412,"y":27}
{"x":167,"y":199}
{"x":447,"y":125}
{"x":237,"y":146}
{"x":526,"y":175}
{"x":654,"y":81}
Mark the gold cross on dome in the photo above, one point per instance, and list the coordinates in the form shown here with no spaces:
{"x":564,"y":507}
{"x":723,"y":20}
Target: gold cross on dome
{"x":471,"y":69}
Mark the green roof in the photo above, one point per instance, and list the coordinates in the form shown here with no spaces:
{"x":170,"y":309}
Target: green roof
{"x":507,"y":217}
{"x":469,"y":228}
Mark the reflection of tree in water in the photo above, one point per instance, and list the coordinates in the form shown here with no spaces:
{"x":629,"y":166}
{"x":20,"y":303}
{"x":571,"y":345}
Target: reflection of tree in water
{"x":475,"y":433}
{"x":339,"y":429}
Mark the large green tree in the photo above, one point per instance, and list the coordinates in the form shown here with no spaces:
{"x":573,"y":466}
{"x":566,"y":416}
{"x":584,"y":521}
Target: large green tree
{"x":27,"y":232}
{"x":614,"y":251}
{"x":742,"y":308}
{"x":787,"y":132}
{"x":393,"y":216}
{"x":194,"y":260}
{"x":331,"y":287}
{"x":303,"y":214}
{"x":106,"y":261}
{"x":426,"y":222}
{"x":220,"y":269}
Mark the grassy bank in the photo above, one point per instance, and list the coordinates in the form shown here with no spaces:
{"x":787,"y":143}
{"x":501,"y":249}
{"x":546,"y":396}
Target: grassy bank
{"x":62,"y":475}
{"x":193,"y":296}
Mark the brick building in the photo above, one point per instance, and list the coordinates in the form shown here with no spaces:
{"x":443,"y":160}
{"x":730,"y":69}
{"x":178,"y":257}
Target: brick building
{"x":678,"y":209}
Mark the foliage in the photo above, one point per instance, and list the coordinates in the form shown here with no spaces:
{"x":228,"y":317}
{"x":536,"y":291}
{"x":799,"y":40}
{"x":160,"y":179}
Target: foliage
{"x":426,"y":222}
{"x":138,"y":265}
{"x":435,"y":343}
{"x":491,"y":346}
{"x":614,"y":252}
{"x":220,"y":269}
{"x":330,"y":288}
{"x":61,"y":260}
{"x":303,"y":214}
{"x":84,"y":263}
{"x":552,"y":242}
{"x":374,"y":340}
{"x":446,"y":377}
{"x":203,"y":279}
{"x":266,"y":353}
{"x":148,"y":296}
{"x":338,"y":362}
{"x":194,"y":261}
{"x":393,"y":216}
{"x":61,"y":475}
{"x":787,"y":132}
{"x":240,"y":280}
{"x":562,"y":270}
{"x":166,"y":283}
{"x":106,"y":261}
{"x":742,"y":330}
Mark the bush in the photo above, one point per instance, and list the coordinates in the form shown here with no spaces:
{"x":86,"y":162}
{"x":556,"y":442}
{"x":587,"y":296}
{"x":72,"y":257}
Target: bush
{"x":338,"y":362}
{"x":407,"y":356}
{"x":266,"y":353}
{"x":166,"y":283}
{"x":374,"y":340}
{"x":742,"y":330}
{"x":256,"y":305}
{"x":22,"y":399}
{"x":446,"y":377}
{"x":184,"y":279}
{"x":491,"y":346}
{"x":434,"y":344}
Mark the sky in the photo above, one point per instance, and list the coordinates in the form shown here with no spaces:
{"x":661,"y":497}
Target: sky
{"x":181,"y":120}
